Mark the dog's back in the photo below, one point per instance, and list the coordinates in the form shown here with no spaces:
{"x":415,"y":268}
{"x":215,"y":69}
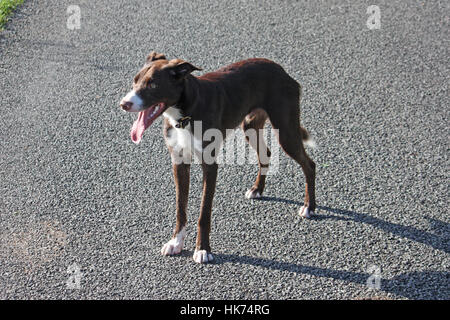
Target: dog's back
{"x":252,"y":84}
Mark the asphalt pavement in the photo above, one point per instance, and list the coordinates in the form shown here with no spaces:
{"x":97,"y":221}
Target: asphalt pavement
{"x":84,"y":211}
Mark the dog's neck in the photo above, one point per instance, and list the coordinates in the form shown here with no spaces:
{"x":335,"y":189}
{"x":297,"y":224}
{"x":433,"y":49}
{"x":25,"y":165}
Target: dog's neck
{"x":190,"y":91}
{"x":179,"y":115}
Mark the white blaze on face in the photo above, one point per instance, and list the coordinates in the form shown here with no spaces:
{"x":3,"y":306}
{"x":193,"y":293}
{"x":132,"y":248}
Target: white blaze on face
{"x":136,"y":101}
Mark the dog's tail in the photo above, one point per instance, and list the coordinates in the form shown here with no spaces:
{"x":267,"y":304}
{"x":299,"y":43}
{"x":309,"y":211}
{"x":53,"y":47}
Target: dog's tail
{"x":307,"y":140}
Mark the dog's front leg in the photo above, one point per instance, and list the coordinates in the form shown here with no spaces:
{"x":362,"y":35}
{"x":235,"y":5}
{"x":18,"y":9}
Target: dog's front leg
{"x":202,"y":252}
{"x":181,"y":174}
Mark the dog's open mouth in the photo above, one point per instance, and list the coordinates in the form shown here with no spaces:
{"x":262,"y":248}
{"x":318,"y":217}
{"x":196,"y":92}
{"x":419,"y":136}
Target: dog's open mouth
{"x":144,"y":120}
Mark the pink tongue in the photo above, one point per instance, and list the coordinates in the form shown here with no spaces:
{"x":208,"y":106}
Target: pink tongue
{"x":139,"y":126}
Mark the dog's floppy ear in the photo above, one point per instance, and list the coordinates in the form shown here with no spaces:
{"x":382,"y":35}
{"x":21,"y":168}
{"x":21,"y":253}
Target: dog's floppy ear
{"x":181,"y":68}
{"x":155,"y":56}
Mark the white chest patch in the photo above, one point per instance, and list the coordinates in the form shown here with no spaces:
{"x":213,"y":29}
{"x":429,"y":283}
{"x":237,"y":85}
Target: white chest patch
{"x":181,"y":138}
{"x":173,"y":114}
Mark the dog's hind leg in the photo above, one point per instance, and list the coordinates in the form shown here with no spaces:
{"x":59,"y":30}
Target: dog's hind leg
{"x":253,"y":126}
{"x":291,"y":136}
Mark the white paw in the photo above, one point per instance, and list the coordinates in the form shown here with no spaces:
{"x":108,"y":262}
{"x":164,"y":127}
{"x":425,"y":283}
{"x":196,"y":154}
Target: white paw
{"x":202,"y":256}
{"x":252,"y":194}
{"x":175,"y":245}
{"x":305,"y":212}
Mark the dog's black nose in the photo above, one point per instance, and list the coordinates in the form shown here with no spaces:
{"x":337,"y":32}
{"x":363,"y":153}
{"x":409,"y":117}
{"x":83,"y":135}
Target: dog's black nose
{"x":126,"y":105}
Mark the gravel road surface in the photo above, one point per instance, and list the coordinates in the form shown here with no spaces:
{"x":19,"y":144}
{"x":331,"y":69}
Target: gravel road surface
{"x":84,"y":212}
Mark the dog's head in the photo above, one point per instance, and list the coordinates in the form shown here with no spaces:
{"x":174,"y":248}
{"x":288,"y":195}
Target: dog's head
{"x":157,"y":86}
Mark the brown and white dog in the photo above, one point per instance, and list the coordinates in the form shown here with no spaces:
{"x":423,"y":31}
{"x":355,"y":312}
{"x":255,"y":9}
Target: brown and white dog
{"x":245,"y":93}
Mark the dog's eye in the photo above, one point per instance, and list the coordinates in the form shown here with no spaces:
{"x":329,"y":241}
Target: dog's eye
{"x":151,"y":85}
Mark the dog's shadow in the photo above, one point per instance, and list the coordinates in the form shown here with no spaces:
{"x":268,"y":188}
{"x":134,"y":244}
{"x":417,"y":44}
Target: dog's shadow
{"x":407,"y":284}
{"x":436,"y":241}
{"x":412,"y":285}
